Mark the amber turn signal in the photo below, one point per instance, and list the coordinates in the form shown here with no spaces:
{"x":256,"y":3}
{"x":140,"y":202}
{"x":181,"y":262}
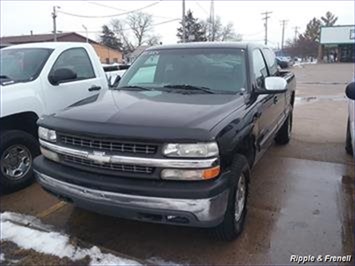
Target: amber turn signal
{"x":211,"y":173}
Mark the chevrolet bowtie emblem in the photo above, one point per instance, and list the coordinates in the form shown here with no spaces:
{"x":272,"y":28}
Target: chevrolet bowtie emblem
{"x":99,"y":157}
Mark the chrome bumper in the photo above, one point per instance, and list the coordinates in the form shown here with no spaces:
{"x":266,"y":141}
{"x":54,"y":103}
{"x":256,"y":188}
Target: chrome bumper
{"x":205,"y":210}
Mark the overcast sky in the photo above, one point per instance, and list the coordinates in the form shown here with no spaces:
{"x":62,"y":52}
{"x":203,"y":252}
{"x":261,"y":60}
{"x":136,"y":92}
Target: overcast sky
{"x":20,"y":17}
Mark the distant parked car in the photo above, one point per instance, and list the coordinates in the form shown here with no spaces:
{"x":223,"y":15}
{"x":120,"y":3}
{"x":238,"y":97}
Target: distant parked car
{"x":283,"y":62}
{"x":350,"y":131}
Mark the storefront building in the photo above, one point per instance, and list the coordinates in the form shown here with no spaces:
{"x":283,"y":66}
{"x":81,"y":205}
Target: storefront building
{"x":337,"y":44}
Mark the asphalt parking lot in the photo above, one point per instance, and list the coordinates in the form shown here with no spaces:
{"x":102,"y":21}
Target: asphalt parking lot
{"x":301,"y":198}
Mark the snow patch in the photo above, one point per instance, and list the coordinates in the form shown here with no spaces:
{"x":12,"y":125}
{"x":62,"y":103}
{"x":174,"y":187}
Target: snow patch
{"x":162,"y":262}
{"x":2,"y":257}
{"x":40,"y":238}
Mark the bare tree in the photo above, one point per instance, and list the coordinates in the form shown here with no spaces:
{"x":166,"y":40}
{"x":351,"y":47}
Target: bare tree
{"x":228,"y":34}
{"x":215,"y":31}
{"x":123,"y":35}
{"x":140,"y":24}
{"x":153,"y":40}
{"x":135,"y":30}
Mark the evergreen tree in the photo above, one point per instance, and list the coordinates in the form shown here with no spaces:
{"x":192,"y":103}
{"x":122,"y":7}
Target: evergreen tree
{"x":109,"y":38}
{"x":194,"y":30}
{"x":329,"y":19}
{"x":313,"y":30}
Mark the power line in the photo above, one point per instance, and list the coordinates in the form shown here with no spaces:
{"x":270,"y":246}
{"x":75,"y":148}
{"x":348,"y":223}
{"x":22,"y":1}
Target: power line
{"x":201,"y":7}
{"x":126,"y":29}
{"x":109,"y":16}
{"x":120,"y":9}
{"x":266,"y":17}
{"x":99,"y":4}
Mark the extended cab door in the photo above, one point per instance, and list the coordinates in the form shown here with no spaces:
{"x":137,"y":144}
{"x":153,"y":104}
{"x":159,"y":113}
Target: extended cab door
{"x":88,"y":82}
{"x":280,"y":99}
{"x":267,"y":122}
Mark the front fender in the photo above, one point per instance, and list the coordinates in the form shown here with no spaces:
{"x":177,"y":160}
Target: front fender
{"x":17,"y":98}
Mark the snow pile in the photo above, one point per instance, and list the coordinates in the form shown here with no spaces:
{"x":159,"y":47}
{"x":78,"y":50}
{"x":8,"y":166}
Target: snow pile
{"x":2,"y":257}
{"x":160,"y":261}
{"x":29,"y":233}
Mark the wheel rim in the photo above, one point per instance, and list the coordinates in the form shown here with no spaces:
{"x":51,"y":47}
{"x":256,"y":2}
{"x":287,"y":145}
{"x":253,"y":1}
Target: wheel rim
{"x":16,"y":161}
{"x":240,"y":198}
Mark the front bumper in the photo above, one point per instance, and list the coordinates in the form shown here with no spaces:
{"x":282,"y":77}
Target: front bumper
{"x":179,"y":209}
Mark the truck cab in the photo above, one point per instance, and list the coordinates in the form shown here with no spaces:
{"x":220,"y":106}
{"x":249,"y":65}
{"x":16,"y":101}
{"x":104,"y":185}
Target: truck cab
{"x":39,"y":79}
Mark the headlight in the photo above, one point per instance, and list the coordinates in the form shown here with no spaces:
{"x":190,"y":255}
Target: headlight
{"x":47,"y":134}
{"x":192,"y":175}
{"x":196,"y":150}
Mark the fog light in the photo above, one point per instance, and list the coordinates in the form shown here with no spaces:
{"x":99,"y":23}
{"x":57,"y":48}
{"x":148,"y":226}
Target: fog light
{"x":192,"y":175}
{"x":49,"y":154}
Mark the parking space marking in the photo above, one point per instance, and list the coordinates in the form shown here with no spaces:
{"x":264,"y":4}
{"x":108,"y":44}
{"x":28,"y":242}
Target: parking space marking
{"x":51,"y":209}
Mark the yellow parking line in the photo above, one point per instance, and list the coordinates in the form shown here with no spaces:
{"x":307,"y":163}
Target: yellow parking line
{"x":51,"y":209}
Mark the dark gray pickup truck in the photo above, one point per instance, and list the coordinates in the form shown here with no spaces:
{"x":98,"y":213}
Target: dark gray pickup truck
{"x":175,"y":140}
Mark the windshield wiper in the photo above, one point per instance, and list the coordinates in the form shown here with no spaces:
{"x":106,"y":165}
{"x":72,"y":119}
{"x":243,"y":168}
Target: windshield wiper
{"x":133,"y":87}
{"x":189,"y":87}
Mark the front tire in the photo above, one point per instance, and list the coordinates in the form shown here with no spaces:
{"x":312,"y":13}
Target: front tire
{"x":233,"y":222}
{"x":348,"y":144}
{"x":283,"y":136}
{"x":17,"y":151}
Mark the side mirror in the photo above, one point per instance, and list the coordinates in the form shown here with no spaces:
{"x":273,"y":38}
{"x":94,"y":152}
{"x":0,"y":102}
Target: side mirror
{"x":62,"y":75}
{"x":274,"y":85}
{"x":350,"y":91}
{"x":116,"y":82}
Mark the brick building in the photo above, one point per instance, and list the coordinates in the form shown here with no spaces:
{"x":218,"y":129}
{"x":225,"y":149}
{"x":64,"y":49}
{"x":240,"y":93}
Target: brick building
{"x":106,"y":54}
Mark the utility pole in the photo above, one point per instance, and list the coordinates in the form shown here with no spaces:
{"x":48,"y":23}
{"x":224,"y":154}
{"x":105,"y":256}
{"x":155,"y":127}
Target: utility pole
{"x":212,"y":33}
{"x":283,"y":23}
{"x":266,"y":17}
{"x":296,"y":32}
{"x":54,"y":16}
{"x":183,"y":22}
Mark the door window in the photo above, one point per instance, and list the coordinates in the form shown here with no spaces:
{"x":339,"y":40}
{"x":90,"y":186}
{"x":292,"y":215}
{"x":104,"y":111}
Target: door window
{"x":259,"y":67}
{"x":270,"y":60}
{"x":77,"y":60}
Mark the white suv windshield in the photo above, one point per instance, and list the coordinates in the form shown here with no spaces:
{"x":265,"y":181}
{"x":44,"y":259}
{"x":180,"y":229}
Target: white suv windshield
{"x":219,"y":69}
{"x":23,"y":64}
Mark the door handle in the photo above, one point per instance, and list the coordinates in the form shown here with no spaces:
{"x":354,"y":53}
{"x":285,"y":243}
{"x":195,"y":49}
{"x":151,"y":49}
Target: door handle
{"x":276,"y":99}
{"x":94,"y":88}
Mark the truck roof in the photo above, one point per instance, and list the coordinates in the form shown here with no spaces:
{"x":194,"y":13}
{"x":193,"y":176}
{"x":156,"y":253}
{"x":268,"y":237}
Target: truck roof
{"x":50,"y":45}
{"x":239,"y":45}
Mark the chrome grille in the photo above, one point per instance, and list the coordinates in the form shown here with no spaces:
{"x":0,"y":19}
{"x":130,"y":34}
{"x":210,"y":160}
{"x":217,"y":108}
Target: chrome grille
{"x":108,"y":145}
{"x":108,"y":166}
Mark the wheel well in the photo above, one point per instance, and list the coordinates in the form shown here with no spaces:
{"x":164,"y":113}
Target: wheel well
{"x":23,"y":121}
{"x":247,"y":148}
{"x":292,"y":98}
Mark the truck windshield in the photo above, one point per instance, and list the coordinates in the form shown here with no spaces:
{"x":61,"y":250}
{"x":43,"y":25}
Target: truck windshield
{"x":23,"y":64}
{"x":217,"y":70}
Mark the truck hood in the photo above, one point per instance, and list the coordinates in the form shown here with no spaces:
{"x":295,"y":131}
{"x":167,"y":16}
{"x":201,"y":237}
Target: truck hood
{"x":152,"y":110}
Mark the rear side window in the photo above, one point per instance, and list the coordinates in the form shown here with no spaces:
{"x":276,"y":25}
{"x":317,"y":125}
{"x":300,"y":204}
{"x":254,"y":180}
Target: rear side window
{"x":77,"y":60}
{"x":270,"y":60}
{"x":259,"y":67}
